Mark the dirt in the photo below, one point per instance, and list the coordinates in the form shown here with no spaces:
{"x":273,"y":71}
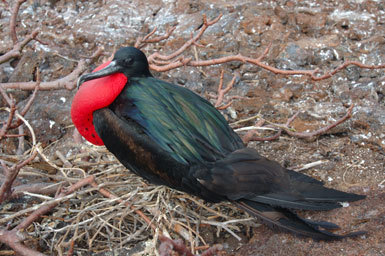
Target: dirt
{"x":303,"y":35}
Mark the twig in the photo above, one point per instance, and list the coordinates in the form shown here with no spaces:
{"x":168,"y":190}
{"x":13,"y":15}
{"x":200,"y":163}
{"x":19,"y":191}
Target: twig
{"x":320,"y":131}
{"x":12,"y":22}
{"x":250,"y":136}
{"x":46,"y":208}
{"x":167,"y":246}
{"x":29,"y":102}
{"x":213,"y":250}
{"x":11,"y":173}
{"x":14,"y":240}
{"x":161,"y":63}
{"x":222,"y":92}
{"x":344,"y":65}
{"x":143,"y":41}
{"x":68,"y":82}
{"x":15,"y":237}
{"x":10,"y":176}
{"x":12,"y":111}
{"x":108,"y":194}
{"x":17,"y":48}
{"x":40,"y":188}
{"x":307,"y":166}
{"x":21,"y":144}
{"x":176,"y":53}
{"x":66,"y":163}
{"x":253,"y":136}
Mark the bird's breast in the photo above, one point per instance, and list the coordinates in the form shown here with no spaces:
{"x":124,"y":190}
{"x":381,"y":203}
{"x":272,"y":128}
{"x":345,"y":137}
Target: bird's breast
{"x":92,"y":95}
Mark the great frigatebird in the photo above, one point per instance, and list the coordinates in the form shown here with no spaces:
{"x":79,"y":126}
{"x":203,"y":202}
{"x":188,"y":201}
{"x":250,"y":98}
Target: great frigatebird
{"x":170,"y":136}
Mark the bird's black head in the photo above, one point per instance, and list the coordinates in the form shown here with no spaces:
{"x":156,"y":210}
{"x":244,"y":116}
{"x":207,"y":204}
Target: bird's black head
{"x":132,"y":62}
{"x":127,"y":60}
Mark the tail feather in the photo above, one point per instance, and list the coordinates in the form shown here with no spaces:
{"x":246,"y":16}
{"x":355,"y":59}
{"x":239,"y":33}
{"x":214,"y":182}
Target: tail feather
{"x":294,"y":202}
{"x":287,"y":220}
{"x":307,"y":196}
{"x":318,"y":193}
{"x":297,"y":176}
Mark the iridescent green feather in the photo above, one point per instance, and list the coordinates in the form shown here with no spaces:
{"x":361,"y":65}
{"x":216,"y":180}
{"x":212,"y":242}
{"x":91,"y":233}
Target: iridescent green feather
{"x":181,"y":122}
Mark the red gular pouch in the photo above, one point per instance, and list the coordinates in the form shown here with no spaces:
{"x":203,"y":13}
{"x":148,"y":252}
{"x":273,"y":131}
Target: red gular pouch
{"x":93,"y":95}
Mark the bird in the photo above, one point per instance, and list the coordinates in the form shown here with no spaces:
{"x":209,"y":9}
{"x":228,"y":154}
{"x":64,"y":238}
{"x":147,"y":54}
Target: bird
{"x":171,"y":136}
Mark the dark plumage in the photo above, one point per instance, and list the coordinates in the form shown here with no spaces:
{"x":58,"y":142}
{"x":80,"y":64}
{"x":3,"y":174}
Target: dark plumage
{"x":169,"y":135}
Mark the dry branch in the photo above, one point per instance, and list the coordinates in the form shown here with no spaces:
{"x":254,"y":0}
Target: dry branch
{"x":252,"y":135}
{"x":7,"y":124}
{"x":143,"y":41}
{"x":309,"y":135}
{"x":108,"y":194}
{"x":12,"y":172}
{"x":18,"y":47}
{"x":10,"y":176}
{"x":162,"y":63}
{"x":12,"y":22}
{"x":13,"y":109}
{"x":14,"y":238}
{"x":36,"y":188}
{"x":68,"y":82}
{"x":186,"y":45}
{"x":48,"y":207}
{"x":222,"y":92}
{"x":168,"y":246}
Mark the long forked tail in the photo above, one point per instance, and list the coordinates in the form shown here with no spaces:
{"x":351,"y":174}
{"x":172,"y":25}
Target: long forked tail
{"x":287,"y":220}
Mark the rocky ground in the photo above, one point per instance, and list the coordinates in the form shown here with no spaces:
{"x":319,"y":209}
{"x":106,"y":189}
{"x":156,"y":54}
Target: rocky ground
{"x":304,"y":35}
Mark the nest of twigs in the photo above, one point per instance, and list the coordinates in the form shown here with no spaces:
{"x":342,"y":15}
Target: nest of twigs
{"x":90,"y":223}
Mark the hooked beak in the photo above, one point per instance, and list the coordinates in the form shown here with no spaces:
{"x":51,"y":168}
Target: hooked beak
{"x":112,"y":68}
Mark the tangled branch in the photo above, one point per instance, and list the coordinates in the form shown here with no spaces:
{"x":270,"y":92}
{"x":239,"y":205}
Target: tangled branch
{"x":14,"y":238}
{"x":15,"y":52}
{"x":162,"y":63}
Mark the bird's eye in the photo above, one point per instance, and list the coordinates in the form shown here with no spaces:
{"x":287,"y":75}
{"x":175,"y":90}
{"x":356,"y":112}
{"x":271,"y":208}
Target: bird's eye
{"x":128,"y":61}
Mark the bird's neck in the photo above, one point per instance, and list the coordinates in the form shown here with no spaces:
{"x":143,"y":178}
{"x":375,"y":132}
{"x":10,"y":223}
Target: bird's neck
{"x":92,"y":95}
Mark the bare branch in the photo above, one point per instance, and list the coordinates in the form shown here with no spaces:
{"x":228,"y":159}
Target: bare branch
{"x":12,"y":111}
{"x":29,"y":102}
{"x":168,"y":246}
{"x":12,"y":22}
{"x":48,"y":207}
{"x":222,"y":92}
{"x":14,"y":239}
{"x":342,"y":66}
{"x":40,"y":188}
{"x":190,"y":42}
{"x":162,"y":63}
{"x":108,"y":194}
{"x":143,"y":41}
{"x":68,"y":82}
{"x":18,"y":47}
{"x":10,"y":176}
{"x":307,"y":135}
{"x":251,"y":135}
